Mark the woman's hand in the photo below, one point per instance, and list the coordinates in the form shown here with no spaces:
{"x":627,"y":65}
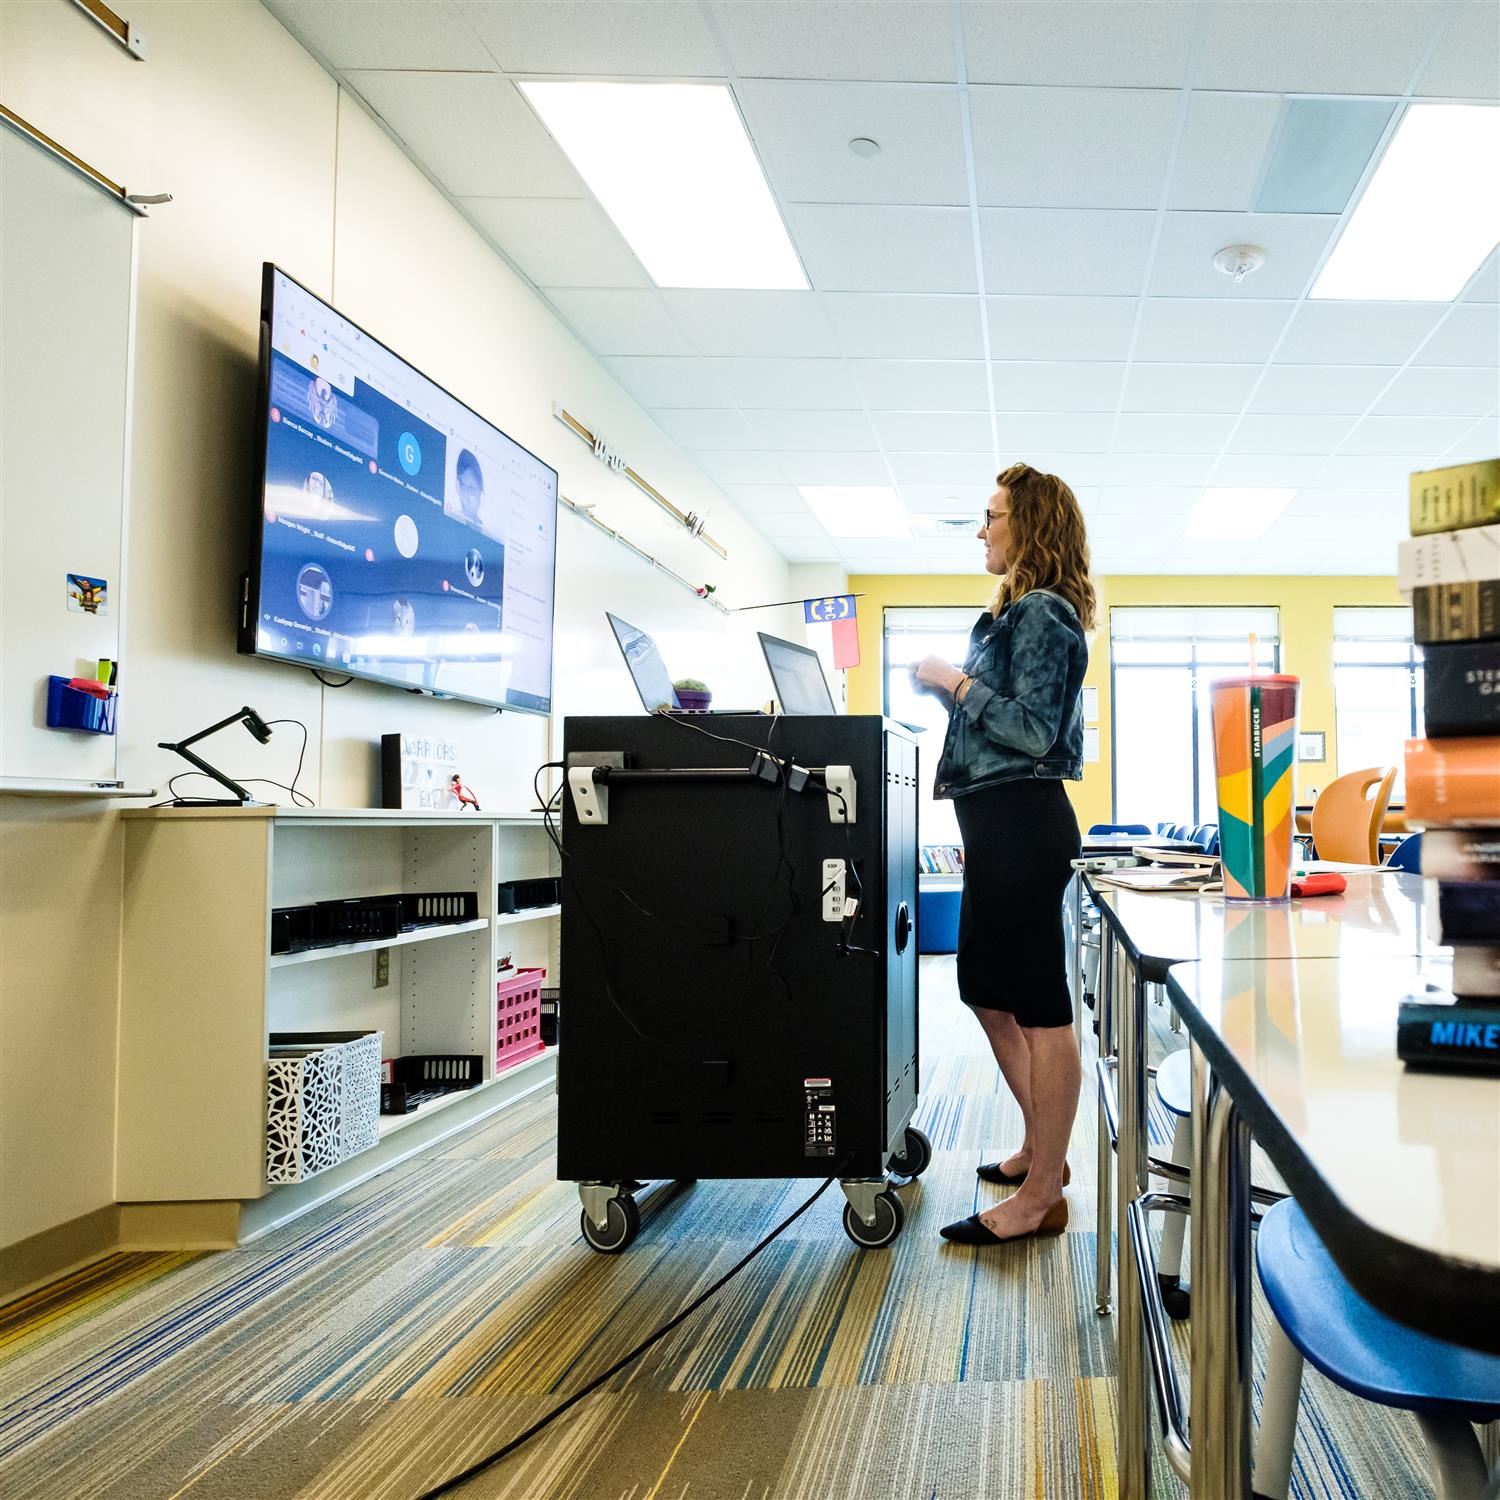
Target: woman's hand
{"x":933,"y":674}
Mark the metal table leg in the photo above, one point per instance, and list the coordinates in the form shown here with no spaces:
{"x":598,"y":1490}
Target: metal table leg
{"x":1104,"y":1192}
{"x":1134,"y":1434}
{"x":1220,"y":1334}
{"x":1075,"y":952}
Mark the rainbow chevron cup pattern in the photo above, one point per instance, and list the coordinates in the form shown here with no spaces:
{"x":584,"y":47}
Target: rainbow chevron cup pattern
{"x":1255,"y":741}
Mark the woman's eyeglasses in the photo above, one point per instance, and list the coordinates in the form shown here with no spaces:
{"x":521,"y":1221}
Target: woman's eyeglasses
{"x":991,"y":516}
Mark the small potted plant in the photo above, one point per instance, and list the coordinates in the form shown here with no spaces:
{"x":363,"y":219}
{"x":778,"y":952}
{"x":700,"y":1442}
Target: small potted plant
{"x":693,"y":695}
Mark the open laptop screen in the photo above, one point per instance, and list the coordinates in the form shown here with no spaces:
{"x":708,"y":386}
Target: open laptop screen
{"x":797,"y":677}
{"x":648,"y":671}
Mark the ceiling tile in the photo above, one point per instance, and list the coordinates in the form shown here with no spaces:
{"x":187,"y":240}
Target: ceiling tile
{"x":833,"y":468}
{"x":922,"y":385}
{"x":1184,"y":266}
{"x":1222,"y":332}
{"x":1206,"y":388}
{"x":754,"y":323}
{"x":1462,"y":65}
{"x":727,"y":466}
{"x":558,"y":241}
{"x":384,"y":33}
{"x":941,"y":468}
{"x":814,"y":431}
{"x":1119,"y":43}
{"x":1433,"y":392}
{"x":1166,"y":469}
{"x":1480,"y":442}
{"x":1056,"y":387}
{"x":1171,"y":432}
{"x":824,"y":384}
{"x":1223,"y":149}
{"x":1332,"y":390}
{"x":766,"y":499}
{"x":1075,"y":251}
{"x":1329,"y":47}
{"x":803,"y":132}
{"x":622,"y":38}
{"x":1358,"y":333}
{"x":1426,"y":438}
{"x":1485,"y":286}
{"x":1057,"y":432}
{"x":1378,"y":475}
{"x":1266,"y":471}
{"x":473,"y":131}
{"x":619,"y":322}
{"x":1470,"y":335}
{"x":1071,"y":147}
{"x":875,"y":325}
{"x":837,"y":39}
{"x":790,"y":524}
{"x":927,"y":431}
{"x":855,"y":247}
{"x":1080,"y":471}
{"x":706,"y":428}
{"x":659,"y":381}
{"x":1061,"y":327}
{"x":1142,"y":502}
{"x":1297,"y":435}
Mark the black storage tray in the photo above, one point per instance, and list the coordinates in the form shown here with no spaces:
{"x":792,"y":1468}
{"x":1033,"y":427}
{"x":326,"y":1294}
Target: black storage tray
{"x":358,"y":919}
{"x":291,"y":929}
{"x":522,"y":895}
{"x":438,"y":909}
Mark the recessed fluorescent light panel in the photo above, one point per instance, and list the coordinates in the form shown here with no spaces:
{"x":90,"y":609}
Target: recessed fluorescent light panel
{"x":672,"y":165}
{"x":857,"y":510}
{"x":1430,"y":214}
{"x":1224,"y":515}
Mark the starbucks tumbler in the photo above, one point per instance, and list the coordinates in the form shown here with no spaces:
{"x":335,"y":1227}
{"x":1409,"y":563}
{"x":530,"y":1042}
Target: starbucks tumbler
{"x":1255,"y":740}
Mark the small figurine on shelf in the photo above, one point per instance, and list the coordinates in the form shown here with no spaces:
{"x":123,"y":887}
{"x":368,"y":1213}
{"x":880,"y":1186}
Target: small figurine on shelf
{"x":462,"y":795}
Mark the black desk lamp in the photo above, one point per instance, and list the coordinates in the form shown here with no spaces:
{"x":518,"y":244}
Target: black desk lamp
{"x":254,"y":723}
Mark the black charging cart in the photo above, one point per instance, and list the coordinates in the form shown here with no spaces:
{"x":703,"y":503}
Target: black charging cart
{"x":738,"y":902}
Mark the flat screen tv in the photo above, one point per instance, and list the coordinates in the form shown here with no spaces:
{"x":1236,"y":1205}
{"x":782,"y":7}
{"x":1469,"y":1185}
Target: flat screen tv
{"x":402,"y":538}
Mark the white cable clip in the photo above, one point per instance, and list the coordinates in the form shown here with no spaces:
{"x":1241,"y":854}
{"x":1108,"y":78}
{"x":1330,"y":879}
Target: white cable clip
{"x":840,"y":783}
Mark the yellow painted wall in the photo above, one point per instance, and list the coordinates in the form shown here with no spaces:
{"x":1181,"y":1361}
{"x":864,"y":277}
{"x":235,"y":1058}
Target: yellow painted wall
{"x":1306,"y":612}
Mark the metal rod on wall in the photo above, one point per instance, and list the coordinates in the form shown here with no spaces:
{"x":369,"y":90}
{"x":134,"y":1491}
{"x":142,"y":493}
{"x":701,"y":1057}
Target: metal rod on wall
{"x":117,"y":28}
{"x":586,"y":513}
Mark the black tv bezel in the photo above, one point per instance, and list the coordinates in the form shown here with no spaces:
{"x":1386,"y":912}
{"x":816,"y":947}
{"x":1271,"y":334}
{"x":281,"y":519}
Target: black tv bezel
{"x":249,"y":602}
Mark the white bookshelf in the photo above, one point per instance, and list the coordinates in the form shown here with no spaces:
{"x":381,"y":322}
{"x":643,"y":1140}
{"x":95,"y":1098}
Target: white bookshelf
{"x":201,"y":991}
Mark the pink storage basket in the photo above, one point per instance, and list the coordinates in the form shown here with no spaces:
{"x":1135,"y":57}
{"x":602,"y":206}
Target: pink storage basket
{"x":518,"y":1003}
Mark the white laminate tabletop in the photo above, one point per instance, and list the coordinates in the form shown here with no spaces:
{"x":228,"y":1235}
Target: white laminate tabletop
{"x":1380,"y":912}
{"x":1415,"y":1155}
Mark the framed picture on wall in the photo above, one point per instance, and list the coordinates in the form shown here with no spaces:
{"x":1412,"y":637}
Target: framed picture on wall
{"x":1310,"y":746}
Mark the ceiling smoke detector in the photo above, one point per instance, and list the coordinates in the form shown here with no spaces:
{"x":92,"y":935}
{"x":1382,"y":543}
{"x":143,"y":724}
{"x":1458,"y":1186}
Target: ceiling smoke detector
{"x":1239,"y":261}
{"x":862,"y":145}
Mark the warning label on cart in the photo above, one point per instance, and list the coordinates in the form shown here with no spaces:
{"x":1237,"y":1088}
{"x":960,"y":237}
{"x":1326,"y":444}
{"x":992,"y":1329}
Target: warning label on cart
{"x":820,"y":1118}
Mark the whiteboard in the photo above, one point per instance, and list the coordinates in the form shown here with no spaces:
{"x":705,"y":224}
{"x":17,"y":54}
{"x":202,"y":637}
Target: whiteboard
{"x":67,"y":279}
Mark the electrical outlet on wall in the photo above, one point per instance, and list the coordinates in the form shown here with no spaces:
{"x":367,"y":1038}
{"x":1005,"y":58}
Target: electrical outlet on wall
{"x":382,"y":968}
{"x":833,"y":887}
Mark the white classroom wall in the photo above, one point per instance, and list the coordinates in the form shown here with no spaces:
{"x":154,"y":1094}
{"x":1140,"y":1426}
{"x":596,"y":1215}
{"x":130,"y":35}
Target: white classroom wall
{"x":268,"y":160}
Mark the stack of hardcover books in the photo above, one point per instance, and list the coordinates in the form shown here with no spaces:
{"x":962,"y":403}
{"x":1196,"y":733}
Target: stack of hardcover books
{"x":1451,"y":570}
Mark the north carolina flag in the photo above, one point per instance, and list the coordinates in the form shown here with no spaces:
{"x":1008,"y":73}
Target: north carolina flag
{"x":845,"y":643}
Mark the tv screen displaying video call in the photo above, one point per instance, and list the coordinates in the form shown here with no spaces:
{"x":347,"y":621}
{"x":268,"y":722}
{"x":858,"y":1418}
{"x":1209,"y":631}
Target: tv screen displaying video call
{"x":403,"y":538}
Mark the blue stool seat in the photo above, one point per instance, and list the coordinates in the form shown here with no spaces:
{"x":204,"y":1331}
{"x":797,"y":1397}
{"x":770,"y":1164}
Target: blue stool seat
{"x":1355,"y":1346}
{"x":1102,"y":828}
{"x":1407,"y":855}
{"x":937,"y":920}
{"x":1174,"y":1083}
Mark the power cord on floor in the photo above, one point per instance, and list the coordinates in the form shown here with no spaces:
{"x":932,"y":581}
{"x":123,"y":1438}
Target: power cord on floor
{"x":448,"y":1485}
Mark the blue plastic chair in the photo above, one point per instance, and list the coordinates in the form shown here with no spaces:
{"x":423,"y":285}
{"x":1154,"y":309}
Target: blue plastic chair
{"x":1164,"y":830}
{"x":1322,"y":1319}
{"x":1204,"y":835}
{"x":1102,"y":828}
{"x":1407,"y":855}
{"x":1181,"y":832}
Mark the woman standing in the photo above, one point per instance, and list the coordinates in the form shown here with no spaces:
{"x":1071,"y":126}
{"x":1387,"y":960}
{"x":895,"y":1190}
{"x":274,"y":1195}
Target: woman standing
{"x":1015,"y":733}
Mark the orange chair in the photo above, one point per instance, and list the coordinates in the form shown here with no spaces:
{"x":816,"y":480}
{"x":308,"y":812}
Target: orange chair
{"x":1346,"y":818}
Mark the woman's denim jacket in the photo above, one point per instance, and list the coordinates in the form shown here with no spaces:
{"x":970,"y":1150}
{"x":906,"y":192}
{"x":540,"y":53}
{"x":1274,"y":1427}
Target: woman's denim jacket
{"x":1023,"y":715}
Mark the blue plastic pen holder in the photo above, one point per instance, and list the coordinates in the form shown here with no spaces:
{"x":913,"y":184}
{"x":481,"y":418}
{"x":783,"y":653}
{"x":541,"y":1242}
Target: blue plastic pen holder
{"x":68,"y":708}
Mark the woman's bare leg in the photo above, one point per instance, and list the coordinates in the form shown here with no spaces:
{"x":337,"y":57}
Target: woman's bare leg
{"x":1009,"y":1044}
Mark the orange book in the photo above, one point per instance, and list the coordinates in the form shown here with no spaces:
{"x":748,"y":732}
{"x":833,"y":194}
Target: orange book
{"x":1453,"y":781}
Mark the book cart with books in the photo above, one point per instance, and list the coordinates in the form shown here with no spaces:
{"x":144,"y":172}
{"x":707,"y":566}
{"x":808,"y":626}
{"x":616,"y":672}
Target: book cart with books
{"x":1450,"y":568}
{"x":258,"y":941}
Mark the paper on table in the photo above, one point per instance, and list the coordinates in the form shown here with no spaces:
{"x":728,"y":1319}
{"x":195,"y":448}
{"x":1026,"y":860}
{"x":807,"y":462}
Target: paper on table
{"x":1154,"y":878}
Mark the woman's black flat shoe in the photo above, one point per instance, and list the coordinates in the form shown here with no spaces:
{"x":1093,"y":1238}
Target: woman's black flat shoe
{"x":974,"y":1231}
{"x":994,"y":1173}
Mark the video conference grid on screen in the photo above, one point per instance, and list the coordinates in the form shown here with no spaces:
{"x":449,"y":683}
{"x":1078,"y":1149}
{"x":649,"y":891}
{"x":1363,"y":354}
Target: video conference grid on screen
{"x":404,"y":538}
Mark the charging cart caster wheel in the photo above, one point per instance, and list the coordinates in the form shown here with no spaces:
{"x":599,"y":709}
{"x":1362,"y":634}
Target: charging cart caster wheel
{"x":916,"y":1158}
{"x":890,"y":1218}
{"x":623,"y":1224}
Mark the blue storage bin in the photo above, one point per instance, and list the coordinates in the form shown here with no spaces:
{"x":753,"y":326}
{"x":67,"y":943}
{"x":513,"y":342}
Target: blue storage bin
{"x":937,"y":920}
{"x":68,"y":708}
